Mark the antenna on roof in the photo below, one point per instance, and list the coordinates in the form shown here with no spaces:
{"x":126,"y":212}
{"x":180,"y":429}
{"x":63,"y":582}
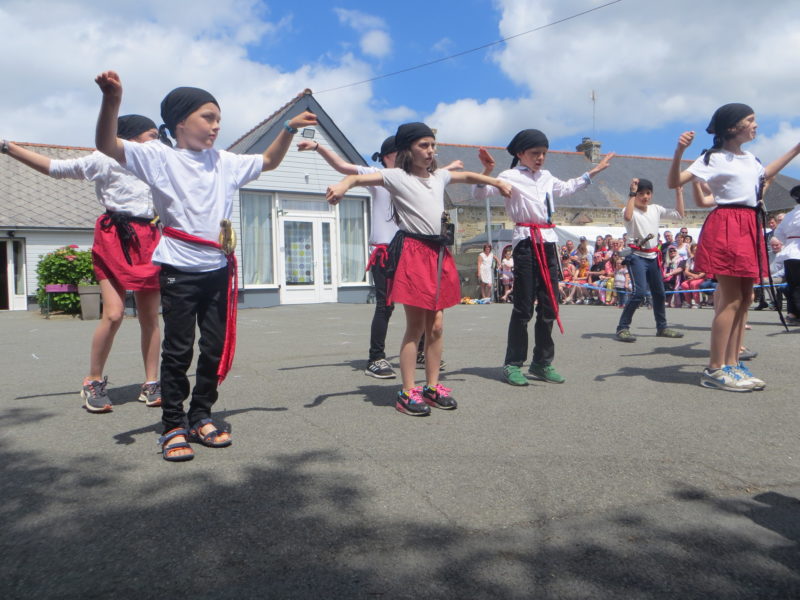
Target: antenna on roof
{"x":594,"y":114}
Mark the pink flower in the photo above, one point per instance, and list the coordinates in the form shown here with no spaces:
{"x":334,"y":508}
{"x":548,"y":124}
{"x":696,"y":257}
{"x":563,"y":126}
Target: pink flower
{"x":72,"y":246}
{"x":70,"y":257}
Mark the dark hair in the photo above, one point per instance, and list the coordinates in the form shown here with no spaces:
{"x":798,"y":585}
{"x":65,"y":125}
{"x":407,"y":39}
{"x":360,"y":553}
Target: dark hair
{"x":405,"y":160}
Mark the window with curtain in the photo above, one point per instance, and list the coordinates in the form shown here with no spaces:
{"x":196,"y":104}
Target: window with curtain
{"x":256,"y":211}
{"x":352,"y":240}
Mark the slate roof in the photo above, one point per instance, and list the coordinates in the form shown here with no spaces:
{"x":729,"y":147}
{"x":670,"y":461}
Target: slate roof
{"x":262,"y":135}
{"x":31,"y":200}
{"x":609,"y":189}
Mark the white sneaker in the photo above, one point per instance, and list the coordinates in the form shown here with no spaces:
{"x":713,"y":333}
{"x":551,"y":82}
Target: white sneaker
{"x":726,"y":378}
{"x":758,"y":384}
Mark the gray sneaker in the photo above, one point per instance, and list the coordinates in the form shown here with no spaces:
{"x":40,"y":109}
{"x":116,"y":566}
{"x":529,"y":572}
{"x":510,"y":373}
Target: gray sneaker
{"x":624,"y":335}
{"x":95,"y":398}
{"x":727,"y":379}
{"x":151,"y":394}
{"x":380,"y":368}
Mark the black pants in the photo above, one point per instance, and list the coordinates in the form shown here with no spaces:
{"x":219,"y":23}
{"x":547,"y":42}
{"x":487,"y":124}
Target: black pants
{"x":792,"y":269}
{"x":380,"y":319}
{"x":529,"y":286}
{"x":190,"y":300}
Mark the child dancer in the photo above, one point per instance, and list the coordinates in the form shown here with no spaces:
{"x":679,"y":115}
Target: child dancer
{"x":535,"y":252}
{"x":382,"y":230}
{"x":124,"y":239}
{"x":642,"y":220}
{"x":424,"y":279}
{"x":731,"y":247}
{"x":193,"y":187}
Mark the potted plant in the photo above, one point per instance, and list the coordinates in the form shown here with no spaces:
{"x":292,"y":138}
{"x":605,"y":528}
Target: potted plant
{"x":59,"y":272}
{"x":89,"y":292}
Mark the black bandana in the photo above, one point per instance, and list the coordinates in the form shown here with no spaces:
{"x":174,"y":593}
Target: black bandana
{"x":527,"y":138}
{"x":408,"y":133}
{"x":728,"y":116}
{"x":644,"y":184}
{"x":387,"y":147}
{"x":180,"y":103}
{"x":130,"y":126}
{"x":795,"y":193}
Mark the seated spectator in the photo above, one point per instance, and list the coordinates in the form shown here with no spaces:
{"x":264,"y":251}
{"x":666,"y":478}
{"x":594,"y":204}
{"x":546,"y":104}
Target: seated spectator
{"x":692,"y":280}
{"x":622,"y":281}
{"x":581,"y":252}
{"x":673,"y":269}
{"x":566,"y":292}
{"x":599,"y":276}
{"x":582,"y":295}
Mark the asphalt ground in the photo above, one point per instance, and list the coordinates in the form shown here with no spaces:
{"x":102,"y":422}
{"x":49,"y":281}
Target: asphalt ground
{"x":627,"y":481}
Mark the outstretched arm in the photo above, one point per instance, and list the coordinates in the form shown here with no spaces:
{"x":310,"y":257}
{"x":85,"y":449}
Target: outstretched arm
{"x":469,"y":177}
{"x":280,"y":145}
{"x":27,"y":157}
{"x":777,"y":165}
{"x":105,"y":137}
{"x":333,"y":159}
{"x":627,"y":214}
{"x":603,"y":164}
{"x":454,"y":166}
{"x":676,"y":177}
{"x":338,"y":190}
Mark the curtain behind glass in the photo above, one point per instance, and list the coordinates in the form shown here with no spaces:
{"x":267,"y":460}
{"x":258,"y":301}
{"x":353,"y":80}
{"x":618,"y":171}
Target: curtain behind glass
{"x":256,"y":238}
{"x":352,"y":240}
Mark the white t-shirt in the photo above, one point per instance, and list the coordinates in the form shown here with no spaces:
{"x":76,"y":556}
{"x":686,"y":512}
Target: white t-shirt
{"x":733,"y":178}
{"x":644,"y":222}
{"x":531,"y":198}
{"x":382,"y":225}
{"x":192,"y":191}
{"x":788,"y":232}
{"x":117,"y":189}
{"x":418,"y":201}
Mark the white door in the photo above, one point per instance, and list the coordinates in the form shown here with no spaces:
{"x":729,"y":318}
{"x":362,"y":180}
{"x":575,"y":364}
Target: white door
{"x":12,"y":275}
{"x":305,"y":261}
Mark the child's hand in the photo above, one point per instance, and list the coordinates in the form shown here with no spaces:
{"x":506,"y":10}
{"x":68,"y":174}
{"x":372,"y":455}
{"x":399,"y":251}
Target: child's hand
{"x":486,"y":159}
{"x":604,"y":162}
{"x":685,"y":140}
{"x":504,"y":187}
{"x":455,"y":165}
{"x":335,"y":192}
{"x":110,"y":84}
{"x":634,"y":185}
{"x":306,"y":145}
{"x":304,"y":119}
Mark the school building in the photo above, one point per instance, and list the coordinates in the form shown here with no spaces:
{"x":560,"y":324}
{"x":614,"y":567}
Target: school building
{"x":294,"y":248}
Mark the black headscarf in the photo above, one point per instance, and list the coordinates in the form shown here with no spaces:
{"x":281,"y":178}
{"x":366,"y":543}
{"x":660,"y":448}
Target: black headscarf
{"x":130,"y":126}
{"x":408,"y":133}
{"x":795,"y":193}
{"x":179,"y":104}
{"x":724,"y":118}
{"x":644,"y":184}
{"x":527,"y":138}
{"x":387,"y":147}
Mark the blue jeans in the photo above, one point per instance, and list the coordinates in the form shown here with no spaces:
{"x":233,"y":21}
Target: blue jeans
{"x":645,"y":275}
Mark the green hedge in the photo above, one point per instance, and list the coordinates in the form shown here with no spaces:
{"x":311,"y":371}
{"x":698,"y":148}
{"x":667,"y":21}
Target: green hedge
{"x":65,"y":265}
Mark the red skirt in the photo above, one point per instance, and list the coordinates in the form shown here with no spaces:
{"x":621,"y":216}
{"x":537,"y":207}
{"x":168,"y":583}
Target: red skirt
{"x":110,"y":263}
{"x":730,"y":243}
{"x":414,"y":282}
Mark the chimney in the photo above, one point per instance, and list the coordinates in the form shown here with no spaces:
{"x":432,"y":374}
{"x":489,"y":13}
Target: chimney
{"x":590,"y":148}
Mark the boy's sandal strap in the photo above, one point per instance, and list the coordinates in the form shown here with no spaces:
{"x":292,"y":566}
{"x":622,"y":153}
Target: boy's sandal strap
{"x":168,"y":451}
{"x":172,"y":433}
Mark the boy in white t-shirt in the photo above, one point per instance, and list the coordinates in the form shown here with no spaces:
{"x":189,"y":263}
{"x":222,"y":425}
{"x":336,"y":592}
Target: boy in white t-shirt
{"x":193,"y":187}
{"x":642,"y":220}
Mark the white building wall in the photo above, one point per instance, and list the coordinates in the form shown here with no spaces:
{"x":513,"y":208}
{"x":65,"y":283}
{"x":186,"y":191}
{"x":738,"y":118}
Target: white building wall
{"x":39,"y":243}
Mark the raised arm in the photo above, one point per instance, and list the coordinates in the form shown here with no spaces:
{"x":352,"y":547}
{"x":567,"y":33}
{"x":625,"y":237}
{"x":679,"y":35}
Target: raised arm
{"x":604,"y":163}
{"x":105,"y":137}
{"x":469,"y":177}
{"x":676,"y":177}
{"x":486,"y":160}
{"x":274,"y":154}
{"x":679,"y":204}
{"x":627,"y":214}
{"x":776,"y":166}
{"x":703,"y":197}
{"x":333,"y":159}
{"x":27,"y":157}
{"x":338,"y":190}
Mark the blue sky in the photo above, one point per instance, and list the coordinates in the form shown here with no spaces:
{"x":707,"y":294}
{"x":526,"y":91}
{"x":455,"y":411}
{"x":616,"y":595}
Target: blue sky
{"x":658,"y":68}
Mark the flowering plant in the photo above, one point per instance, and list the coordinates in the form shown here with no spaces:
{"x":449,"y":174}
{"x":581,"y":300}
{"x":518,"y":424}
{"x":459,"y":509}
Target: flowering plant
{"x":65,"y":265}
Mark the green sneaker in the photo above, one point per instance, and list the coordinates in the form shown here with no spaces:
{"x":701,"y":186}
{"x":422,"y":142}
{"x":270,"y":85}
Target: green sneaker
{"x":545,"y":373}
{"x":513,"y":375}
{"x":670,"y":333}
{"x":624,"y":335}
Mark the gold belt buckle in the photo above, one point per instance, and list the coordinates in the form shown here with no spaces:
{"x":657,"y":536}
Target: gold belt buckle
{"x":227,"y":237}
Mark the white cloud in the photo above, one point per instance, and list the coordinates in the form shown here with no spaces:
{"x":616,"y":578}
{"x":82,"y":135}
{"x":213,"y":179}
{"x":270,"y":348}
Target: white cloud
{"x":768,"y":148}
{"x":375,"y":41}
{"x":651,"y":62}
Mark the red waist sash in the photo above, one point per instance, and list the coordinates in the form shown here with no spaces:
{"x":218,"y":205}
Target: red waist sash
{"x":378,"y":256}
{"x":229,"y":346}
{"x":541,"y":258}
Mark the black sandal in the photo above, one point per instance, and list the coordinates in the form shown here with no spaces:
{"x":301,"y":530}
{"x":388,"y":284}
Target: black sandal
{"x":209,"y":439}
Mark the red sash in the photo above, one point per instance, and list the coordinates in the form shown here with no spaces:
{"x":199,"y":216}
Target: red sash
{"x":378,"y":256}
{"x":659,"y":256}
{"x":541,"y":257}
{"x":229,"y":347}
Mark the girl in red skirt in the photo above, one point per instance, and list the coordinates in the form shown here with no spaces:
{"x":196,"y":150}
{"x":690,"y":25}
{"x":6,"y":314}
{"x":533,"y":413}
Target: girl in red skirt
{"x":731,"y":244}
{"x":124,"y":239}
{"x":425,"y":280}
